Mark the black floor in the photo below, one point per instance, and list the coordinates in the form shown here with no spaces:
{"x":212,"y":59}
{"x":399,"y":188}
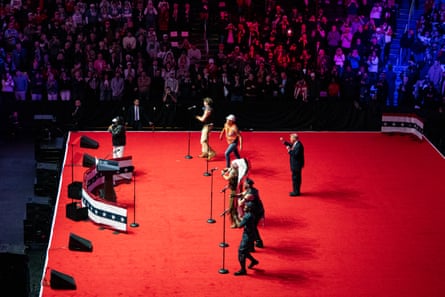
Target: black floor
{"x":23,"y":256}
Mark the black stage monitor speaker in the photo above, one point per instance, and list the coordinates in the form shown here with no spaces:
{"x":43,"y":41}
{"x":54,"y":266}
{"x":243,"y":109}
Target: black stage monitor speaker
{"x":62,"y":281}
{"x":75,"y":190}
{"x":76,"y":213}
{"x":87,"y":142}
{"x":88,"y":161}
{"x":77,"y":243}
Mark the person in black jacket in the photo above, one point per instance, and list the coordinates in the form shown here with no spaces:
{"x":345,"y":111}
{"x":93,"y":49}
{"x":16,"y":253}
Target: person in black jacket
{"x":248,"y":237}
{"x":118,"y":137}
{"x":137,"y":117}
{"x":296,"y":158}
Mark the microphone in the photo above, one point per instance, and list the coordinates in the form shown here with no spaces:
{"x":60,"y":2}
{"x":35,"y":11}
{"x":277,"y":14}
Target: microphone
{"x":191,"y":107}
{"x":224,"y":189}
{"x":213,"y":169}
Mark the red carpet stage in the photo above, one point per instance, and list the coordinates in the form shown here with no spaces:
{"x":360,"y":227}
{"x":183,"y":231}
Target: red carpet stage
{"x":370,"y":221}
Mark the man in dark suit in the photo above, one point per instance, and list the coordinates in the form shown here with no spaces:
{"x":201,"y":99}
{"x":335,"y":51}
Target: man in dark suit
{"x":137,"y":117}
{"x":296,"y":157}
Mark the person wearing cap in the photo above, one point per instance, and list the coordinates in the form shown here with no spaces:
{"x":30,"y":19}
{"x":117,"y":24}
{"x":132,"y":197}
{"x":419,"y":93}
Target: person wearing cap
{"x":296,"y":159}
{"x":118,"y":137}
{"x":247,"y":239}
{"x":251,"y":194}
{"x":233,"y":138}
{"x":206,"y":119}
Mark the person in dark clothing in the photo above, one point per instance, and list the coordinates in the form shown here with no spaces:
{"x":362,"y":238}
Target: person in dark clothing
{"x":78,"y":115}
{"x":251,"y":194}
{"x":136,"y":116}
{"x":118,"y":137}
{"x":168,"y":111}
{"x":247,"y":239}
{"x":296,"y":153}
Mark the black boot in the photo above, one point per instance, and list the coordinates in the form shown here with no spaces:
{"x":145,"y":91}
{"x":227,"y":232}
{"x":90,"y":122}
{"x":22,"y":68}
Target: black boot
{"x":240,"y":272}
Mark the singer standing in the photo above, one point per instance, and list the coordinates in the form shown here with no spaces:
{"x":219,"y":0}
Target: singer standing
{"x":118,"y":137}
{"x":296,"y":159}
{"x":206,"y":118}
{"x":231,"y":175}
{"x":233,"y":138}
{"x":247,"y":239}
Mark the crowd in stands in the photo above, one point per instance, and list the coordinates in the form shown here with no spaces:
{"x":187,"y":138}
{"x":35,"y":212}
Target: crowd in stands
{"x":267,"y":50}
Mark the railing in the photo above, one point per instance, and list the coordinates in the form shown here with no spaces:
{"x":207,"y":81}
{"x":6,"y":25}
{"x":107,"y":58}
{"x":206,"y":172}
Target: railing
{"x":410,"y":13}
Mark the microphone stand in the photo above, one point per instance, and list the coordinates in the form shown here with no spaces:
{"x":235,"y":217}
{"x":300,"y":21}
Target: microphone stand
{"x":207,"y":173}
{"x":134,"y":224}
{"x":211,"y":220}
{"x":223,"y":244}
{"x":188,"y":156}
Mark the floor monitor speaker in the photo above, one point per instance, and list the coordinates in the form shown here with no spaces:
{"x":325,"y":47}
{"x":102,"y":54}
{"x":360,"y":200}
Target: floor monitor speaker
{"x":77,"y":243}
{"x":62,"y":281}
{"x":87,"y":142}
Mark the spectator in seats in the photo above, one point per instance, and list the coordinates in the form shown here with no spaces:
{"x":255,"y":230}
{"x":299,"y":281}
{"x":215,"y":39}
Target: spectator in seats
{"x":348,"y":84}
{"x":301,"y":89}
{"x":314,"y":87}
{"x":354,"y":60}
{"x":390,"y":77}
{"x":37,"y":85}
{"x":174,"y":19}
{"x":105,"y":88}
{"x":435,"y":74}
{"x":130,"y":89}
{"x":163,"y":16}
{"x":65,"y":86}
{"x":143,"y":86}
{"x":8,"y":88}
{"x":373,"y":66}
{"x":339,"y":59}
{"x":148,"y":17}
{"x":365,"y":96}
{"x":268,"y":89}
{"x":52,"y":87}
{"x":405,"y":98}
{"x":168,"y":112}
{"x":286,"y":86}
{"x":78,"y":86}
{"x":194,"y":54}
{"x":186,"y":17}
{"x":21,"y":85}
{"x":129,"y":70}
{"x":236,"y":89}
{"x":346,"y":40}
{"x":172,"y":83}
{"x":250,"y":88}
{"x":333,"y":40}
{"x":117,"y":86}
{"x":129,"y":43}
